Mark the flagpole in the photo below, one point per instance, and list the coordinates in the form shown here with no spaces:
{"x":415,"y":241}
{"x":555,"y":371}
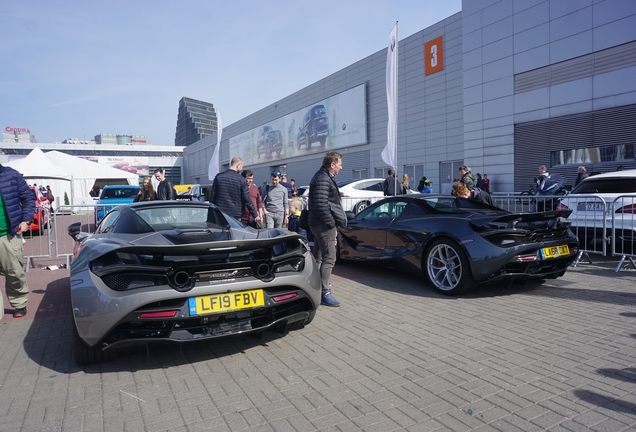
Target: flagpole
{"x":213,"y":167}
{"x":396,"y":97}
{"x":389,"y":153}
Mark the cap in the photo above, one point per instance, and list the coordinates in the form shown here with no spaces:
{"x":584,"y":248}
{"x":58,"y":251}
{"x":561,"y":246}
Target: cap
{"x":427,"y":181}
{"x":275,"y":173}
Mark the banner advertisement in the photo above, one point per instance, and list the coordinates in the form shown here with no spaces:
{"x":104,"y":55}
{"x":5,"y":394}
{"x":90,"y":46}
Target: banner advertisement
{"x":333,"y":123}
{"x":131,"y":164}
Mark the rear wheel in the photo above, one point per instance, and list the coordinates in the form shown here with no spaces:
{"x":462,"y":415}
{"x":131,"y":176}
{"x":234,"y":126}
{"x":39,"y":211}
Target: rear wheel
{"x":85,"y":355}
{"x":447,"y":268}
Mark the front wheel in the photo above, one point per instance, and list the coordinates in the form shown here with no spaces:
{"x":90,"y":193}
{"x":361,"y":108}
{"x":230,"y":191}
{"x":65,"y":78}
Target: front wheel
{"x":361,"y":206}
{"x":447,"y":268}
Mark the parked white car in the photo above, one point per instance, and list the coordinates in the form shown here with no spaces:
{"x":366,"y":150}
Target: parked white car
{"x":600,"y":203}
{"x":356,"y":195}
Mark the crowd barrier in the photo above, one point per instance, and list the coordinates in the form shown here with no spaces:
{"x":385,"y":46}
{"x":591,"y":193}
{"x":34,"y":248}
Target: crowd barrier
{"x":603,"y":227}
{"x":37,"y":242}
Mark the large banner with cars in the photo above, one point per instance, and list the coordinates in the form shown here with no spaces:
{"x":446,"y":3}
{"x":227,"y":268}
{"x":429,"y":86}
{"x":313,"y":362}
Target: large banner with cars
{"x":330,"y":124}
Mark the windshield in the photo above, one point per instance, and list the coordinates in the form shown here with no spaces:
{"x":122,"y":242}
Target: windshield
{"x":119,"y":193}
{"x":606,"y":185}
{"x":182,"y":217}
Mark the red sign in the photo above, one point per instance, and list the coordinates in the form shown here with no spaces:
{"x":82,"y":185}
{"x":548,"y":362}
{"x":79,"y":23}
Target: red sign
{"x":434,"y":55}
{"x":10,"y":129}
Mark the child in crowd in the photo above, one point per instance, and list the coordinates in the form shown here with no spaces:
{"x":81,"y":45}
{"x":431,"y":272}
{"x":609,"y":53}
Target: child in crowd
{"x":295,"y":207}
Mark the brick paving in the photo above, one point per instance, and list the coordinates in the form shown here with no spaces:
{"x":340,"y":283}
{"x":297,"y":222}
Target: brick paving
{"x":556,"y":356}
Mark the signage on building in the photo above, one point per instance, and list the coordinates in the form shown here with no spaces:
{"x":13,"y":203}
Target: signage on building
{"x":336,"y":122}
{"x":434,"y":55}
{"x":10,"y":129}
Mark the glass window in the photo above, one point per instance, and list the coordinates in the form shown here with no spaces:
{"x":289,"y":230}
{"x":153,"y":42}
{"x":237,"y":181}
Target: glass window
{"x":611,"y":153}
{"x":109,"y":222}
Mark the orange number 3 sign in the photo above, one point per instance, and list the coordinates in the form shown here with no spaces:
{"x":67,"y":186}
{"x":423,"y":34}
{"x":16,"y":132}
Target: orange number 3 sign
{"x":434,"y":55}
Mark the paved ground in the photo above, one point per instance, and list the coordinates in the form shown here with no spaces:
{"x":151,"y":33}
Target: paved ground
{"x":396,"y":356}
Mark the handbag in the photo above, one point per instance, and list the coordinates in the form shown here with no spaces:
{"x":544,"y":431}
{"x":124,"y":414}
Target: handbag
{"x":303,"y":221}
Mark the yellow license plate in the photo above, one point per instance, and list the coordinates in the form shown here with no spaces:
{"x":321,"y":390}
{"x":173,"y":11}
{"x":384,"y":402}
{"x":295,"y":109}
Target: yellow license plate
{"x":226,"y":302}
{"x":555,"y":251}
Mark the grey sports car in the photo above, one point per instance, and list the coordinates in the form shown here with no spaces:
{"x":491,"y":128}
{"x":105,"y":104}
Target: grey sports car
{"x":181,"y":271}
{"x":458,"y":243}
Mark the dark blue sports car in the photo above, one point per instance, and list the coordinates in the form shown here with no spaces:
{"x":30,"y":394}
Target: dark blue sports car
{"x":458,"y":243}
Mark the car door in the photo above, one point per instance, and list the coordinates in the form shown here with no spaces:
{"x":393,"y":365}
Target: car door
{"x":407,"y":216}
{"x":366,"y":234}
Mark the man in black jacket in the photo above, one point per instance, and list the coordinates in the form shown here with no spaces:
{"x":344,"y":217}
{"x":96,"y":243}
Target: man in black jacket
{"x":229,"y":191}
{"x":165,"y":189}
{"x":390,"y":185}
{"x":325,"y":215}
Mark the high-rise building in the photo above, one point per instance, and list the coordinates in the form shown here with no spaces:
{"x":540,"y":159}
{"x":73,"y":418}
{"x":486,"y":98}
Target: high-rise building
{"x":195,"y":121}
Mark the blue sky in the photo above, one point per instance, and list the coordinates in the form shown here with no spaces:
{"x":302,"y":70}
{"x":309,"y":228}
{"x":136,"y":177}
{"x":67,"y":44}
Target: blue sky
{"x":74,"y":69}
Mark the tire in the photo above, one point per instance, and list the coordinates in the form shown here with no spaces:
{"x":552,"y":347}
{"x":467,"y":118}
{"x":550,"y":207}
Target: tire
{"x":41,"y":228}
{"x":307,"y":140}
{"x":446,"y":267}
{"x":323,"y":141}
{"x":361,"y":206}
{"x":85,"y":355}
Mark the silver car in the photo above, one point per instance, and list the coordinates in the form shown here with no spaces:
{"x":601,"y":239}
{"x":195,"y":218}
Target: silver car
{"x":182,"y":271}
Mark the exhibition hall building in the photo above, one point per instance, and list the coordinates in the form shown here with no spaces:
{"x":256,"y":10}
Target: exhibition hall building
{"x":501,"y":87}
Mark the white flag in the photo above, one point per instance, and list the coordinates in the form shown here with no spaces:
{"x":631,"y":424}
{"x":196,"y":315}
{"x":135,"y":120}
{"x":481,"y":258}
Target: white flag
{"x":213,"y":168}
{"x":390,"y":150}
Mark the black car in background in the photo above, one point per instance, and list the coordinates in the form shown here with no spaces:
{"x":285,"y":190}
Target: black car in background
{"x":456,"y":243}
{"x":269,"y":141}
{"x":313,"y":128}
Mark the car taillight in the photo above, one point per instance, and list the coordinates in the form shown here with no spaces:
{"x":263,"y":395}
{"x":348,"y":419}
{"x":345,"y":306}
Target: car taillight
{"x":162,"y":314}
{"x":628,"y":209}
{"x":562,"y":206}
{"x":284,"y":297}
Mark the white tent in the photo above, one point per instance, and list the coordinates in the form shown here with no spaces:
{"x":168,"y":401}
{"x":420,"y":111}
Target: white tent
{"x":37,"y":169}
{"x":68,"y":175}
{"x":86,"y":172}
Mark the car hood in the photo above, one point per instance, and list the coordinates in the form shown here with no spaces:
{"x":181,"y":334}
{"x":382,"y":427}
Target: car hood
{"x":114,"y":201}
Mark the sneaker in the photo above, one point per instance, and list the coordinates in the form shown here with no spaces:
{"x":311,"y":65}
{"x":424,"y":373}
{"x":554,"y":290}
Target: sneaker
{"x":327,"y":299}
{"x":19,"y":312}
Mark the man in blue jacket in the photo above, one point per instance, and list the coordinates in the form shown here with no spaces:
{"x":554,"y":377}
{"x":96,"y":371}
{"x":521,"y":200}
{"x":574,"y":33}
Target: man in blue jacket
{"x":17,"y":207}
{"x":230,"y":194}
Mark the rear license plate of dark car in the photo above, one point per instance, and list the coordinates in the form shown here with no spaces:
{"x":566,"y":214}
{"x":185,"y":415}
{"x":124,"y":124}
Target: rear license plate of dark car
{"x":226,"y":302}
{"x":555,"y":251}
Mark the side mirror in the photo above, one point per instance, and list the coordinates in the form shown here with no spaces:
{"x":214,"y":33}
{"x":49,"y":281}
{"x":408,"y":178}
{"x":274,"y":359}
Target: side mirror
{"x":350,"y":215}
{"x":74,"y":230}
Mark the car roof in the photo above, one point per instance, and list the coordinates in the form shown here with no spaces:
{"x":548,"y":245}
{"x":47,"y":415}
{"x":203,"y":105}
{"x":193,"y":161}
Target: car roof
{"x":613,"y":174}
{"x":121,"y":187}
{"x":348,"y":182}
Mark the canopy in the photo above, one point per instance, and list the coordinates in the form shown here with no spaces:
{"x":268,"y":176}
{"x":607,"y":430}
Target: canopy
{"x":68,"y":175}
{"x":86,"y":172}
{"x":40,"y":171}
{"x":37,"y":165}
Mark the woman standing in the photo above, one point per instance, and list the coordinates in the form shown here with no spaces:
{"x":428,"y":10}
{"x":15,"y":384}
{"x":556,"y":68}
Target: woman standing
{"x":147,"y":191}
{"x":406,"y":184}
